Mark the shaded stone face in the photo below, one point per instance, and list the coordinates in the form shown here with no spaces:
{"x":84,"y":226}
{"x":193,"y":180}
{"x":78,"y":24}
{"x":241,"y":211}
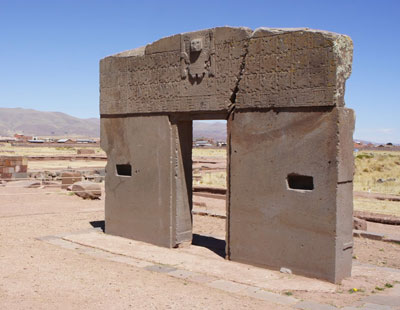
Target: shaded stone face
{"x":290,"y":164}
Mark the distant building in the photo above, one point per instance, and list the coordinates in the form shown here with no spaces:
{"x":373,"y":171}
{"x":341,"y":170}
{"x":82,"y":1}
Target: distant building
{"x":22,"y":138}
{"x":7,"y":139}
{"x":65,"y":141}
{"x":85,"y":141}
{"x":36,"y":140}
{"x":202,"y":143}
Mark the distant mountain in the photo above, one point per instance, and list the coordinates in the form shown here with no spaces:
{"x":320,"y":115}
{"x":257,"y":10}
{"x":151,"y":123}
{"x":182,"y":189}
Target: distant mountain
{"x":38,"y":123}
{"x":213,"y":130}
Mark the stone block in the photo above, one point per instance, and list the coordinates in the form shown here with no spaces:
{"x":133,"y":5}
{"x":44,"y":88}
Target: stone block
{"x":368,"y":235}
{"x":85,"y":151}
{"x":346,"y":119}
{"x":359,"y":224}
{"x":147,"y":180}
{"x":391,"y":301}
{"x":12,"y":167}
{"x":310,"y":305}
{"x":168,"y":44}
{"x":310,"y":68}
{"x":70,"y":177}
{"x":87,"y":190}
{"x":285,"y":191}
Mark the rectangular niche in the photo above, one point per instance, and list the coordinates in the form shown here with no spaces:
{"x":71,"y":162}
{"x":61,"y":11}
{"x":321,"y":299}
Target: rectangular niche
{"x":124,"y":170}
{"x":300,"y":182}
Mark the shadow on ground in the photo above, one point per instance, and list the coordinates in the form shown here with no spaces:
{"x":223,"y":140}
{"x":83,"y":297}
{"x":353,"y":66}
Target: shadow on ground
{"x":99,"y":224}
{"x":213,"y":244}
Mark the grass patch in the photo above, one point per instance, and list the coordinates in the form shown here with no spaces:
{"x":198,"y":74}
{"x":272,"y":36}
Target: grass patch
{"x":216,"y":153}
{"x":377,"y":171}
{"x":212,"y":179}
{"x":377,"y":206}
{"x":8,"y":150}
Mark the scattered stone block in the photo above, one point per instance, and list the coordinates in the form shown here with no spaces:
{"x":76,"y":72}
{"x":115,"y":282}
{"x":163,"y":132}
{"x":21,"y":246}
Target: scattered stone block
{"x":390,"y":301}
{"x":13,"y":167}
{"x":85,"y":151}
{"x":286,"y":270}
{"x":70,"y":177}
{"x":87,"y":190}
{"x":310,"y":305}
{"x":359,"y":224}
{"x":368,"y":235}
{"x":24,"y":184}
{"x":52,"y":184}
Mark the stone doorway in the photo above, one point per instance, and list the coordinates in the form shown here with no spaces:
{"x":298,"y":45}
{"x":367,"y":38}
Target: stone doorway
{"x":209,"y":166}
{"x":290,"y":158}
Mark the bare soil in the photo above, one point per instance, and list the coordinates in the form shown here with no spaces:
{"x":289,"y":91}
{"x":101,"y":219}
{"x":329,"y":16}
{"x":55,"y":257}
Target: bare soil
{"x":38,"y":275}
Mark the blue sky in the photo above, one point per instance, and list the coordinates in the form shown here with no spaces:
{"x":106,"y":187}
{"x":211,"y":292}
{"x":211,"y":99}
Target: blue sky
{"x":50,"y":49}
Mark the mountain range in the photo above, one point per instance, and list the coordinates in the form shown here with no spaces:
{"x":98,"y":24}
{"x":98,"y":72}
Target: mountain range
{"x":38,"y":123}
{"x":214,"y":130}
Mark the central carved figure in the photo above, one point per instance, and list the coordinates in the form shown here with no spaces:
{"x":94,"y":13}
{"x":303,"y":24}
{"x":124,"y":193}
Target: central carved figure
{"x":290,"y":146}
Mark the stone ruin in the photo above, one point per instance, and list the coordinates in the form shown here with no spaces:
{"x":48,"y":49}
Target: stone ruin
{"x":13,"y":167}
{"x":290,"y":146}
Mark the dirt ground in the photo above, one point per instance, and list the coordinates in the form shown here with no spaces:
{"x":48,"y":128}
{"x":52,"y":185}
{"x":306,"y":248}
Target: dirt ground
{"x":38,"y":275}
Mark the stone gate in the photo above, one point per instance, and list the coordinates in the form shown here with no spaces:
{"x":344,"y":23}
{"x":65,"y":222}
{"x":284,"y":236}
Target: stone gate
{"x":290,"y":146}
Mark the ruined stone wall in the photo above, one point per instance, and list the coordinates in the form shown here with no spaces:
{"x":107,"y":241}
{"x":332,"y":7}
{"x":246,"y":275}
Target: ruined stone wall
{"x":12,"y":167}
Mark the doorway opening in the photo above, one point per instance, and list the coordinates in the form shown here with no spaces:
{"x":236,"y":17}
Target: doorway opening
{"x":209,"y":176}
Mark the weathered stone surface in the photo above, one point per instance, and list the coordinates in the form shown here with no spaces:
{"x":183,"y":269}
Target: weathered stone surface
{"x":163,"y":79}
{"x":13,"y":167}
{"x":152,"y":203}
{"x":346,"y":146}
{"x":265,"y":68}
{"x":24,"y":184}
{"x":305,"y":229}
{"x":295,"y":68}
{"x":392,"y":301}
{"x":359,"y":224}
{"x":85,"y":151}
{"x":310,"y":305}
{"x":94,"y":177}
{"x":70,"y":177}
{"x":368,"y":235}
{"x":87,"y":190}
{"x":290,"y":160}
